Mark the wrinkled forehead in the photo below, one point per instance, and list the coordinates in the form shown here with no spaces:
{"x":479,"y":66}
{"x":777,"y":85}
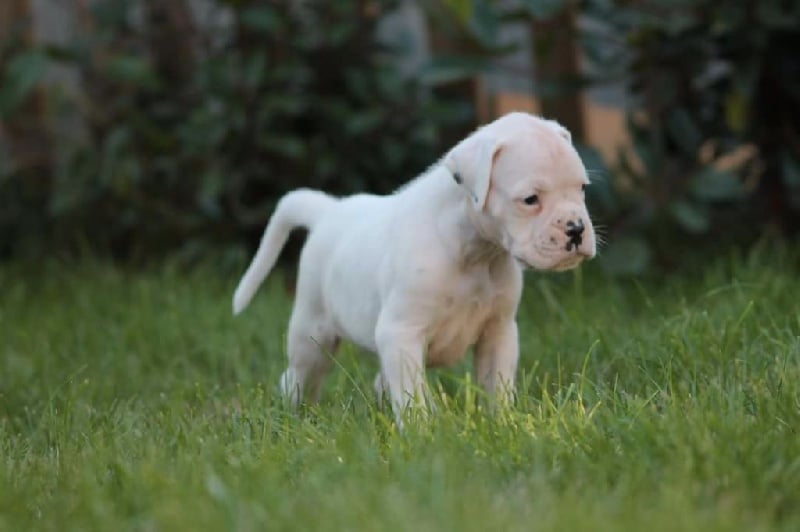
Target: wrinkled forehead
{"x":542,"y":157}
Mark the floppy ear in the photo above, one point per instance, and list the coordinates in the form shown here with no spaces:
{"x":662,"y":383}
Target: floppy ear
{"x":470,"y":163}
{"x":561,"y":130}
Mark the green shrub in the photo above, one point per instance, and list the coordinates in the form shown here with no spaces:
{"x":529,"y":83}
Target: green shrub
{"x":711,"y":82}
{"x":190,"y":139}
{"x":188,"y":148}
{"x":713,"y":89}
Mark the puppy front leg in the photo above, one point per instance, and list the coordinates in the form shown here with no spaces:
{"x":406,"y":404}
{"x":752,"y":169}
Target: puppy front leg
{"x":401,"y":353}
{"x":496,"y":356}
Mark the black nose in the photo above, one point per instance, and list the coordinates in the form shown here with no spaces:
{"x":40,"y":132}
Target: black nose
{"x":574,"y":232}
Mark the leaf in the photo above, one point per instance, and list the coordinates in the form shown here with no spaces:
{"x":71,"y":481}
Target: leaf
{"x":254,"y":70}
{"x":289,"y":147}
{"x":736,"y":111}
{"x":289,"y":104}
{"x":626,"y":256}
{"x":543,"y":9}
{"x":445,"y":68}
{"x":606,"y":59}
{"x":728,"y":17}
{"x":66,"y":196}
{"x":23,"y":73}
{"x":132,"y":69}
{"x":678,"y":23}
{"x":364,"y":121}
{"x":209,"y":192}
{"x":790,"y":173}
{"x":689,"y":216}
{"x":771,"y":16}
{"x":484,"y":24}
{"x":643,"y":146}
{"x":711,"y":184}
{"x":684,"y":131}
{"x":462,"y":9}
{"x":261,"y":18}
{"x":113,"y":154}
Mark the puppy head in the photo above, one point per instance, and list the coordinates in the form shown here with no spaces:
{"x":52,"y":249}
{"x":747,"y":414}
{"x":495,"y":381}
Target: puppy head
{"x":525,"y":183}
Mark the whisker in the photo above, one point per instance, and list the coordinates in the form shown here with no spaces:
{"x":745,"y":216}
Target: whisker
{"x":597,"y":175}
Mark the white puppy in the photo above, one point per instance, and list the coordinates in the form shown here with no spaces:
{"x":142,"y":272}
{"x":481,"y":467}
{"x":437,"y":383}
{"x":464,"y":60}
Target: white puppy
{"x":423,"y":274}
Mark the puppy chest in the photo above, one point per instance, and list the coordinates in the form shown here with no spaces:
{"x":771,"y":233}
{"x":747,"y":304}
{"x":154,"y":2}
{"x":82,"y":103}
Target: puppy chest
{"x":455,"y":331}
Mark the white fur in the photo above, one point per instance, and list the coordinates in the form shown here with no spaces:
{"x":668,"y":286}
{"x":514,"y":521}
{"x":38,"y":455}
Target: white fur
{"x":423,"y":274}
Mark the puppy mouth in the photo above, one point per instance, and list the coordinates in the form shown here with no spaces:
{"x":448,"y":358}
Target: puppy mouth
{"x":523,"y":264}
{"x":568,"y":263}
{"x":565,"y":264}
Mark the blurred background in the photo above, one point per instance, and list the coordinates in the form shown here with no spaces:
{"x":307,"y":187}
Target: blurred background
{"x":145,"y":129}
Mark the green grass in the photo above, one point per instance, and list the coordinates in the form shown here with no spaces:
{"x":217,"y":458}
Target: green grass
{"x":135,"y":401}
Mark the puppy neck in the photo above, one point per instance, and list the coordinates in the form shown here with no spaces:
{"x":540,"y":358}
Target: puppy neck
{"x":477,"y":241}
{"x":480,"y":244}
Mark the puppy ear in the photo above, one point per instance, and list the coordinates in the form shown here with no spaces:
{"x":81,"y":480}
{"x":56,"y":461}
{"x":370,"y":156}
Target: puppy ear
{"x":470,"y":163}
{"x":561,"y":130}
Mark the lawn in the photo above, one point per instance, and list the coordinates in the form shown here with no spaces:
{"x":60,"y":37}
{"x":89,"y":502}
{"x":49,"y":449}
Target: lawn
{"x":134,"y":400}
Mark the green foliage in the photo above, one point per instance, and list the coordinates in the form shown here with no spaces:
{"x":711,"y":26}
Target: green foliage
{"x":714,"y":99}
{"x":179,"y":149}
{"x":714,"y":121}
{"x":23,"y":71}
{"x":133,"y":401}
{"x":180,"y":152}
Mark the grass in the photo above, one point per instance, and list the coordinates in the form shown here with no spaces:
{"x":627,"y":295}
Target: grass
{"x":135,"y":401}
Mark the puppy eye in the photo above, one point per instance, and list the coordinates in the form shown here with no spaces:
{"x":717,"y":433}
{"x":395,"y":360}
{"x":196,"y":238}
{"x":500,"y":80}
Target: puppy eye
{"x":531,"y":200}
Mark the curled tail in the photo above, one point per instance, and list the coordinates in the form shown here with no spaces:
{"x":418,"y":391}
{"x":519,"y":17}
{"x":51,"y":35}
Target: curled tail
{"x":300,"y":208}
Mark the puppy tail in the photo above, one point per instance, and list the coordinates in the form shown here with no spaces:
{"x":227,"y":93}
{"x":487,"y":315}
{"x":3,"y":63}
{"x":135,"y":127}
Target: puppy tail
{"x":299,"y":208}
